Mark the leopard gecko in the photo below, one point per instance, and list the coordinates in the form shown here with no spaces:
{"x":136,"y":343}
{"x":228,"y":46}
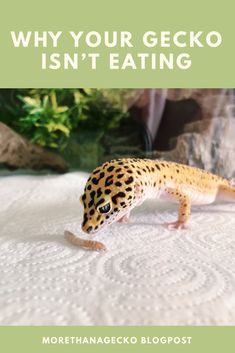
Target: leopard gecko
{"x":116,"y":187}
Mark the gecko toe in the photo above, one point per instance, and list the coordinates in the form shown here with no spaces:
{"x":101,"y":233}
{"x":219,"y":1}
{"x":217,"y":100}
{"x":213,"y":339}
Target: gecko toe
{"x":176,"y":225}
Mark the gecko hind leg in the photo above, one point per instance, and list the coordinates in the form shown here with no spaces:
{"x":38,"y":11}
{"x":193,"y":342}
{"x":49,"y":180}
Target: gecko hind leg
{"x":184,"y":208}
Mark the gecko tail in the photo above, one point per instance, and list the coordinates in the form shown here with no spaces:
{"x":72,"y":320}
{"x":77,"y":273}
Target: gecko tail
{"x":227,"y":192}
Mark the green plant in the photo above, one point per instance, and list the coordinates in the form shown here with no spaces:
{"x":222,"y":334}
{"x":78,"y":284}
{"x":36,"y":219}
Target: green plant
{"x":46,"y":123}
{"x":48,"y":116}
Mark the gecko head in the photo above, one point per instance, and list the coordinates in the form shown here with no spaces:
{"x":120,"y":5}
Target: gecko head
{"x":109,"y":194}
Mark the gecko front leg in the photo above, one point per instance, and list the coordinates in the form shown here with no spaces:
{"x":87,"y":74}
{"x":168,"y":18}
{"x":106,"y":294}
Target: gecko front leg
{"x":125,"y":218}
{"x":184,"y":208}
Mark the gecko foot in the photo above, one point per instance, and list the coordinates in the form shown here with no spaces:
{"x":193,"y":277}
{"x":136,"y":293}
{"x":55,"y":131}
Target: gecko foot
{"x":176,"y":225}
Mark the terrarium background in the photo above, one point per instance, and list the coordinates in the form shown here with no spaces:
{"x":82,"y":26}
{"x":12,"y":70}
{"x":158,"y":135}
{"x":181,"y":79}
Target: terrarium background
{"x":73,"y":122}
{"x":87,"y":126}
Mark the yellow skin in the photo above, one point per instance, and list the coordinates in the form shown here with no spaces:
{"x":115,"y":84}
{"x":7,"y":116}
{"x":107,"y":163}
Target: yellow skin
{"x":116,"y":187}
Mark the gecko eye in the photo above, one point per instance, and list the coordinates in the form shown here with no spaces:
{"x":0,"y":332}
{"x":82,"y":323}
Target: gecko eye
{"x":105,"y":208}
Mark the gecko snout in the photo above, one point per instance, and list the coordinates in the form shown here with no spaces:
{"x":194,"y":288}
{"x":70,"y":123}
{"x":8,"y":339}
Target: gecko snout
{"x":89,"y":228}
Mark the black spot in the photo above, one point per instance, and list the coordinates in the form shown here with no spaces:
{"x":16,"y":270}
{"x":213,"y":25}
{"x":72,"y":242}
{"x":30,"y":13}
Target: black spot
{"x":177,"y":170}
{"x":118,"y":170}
{"x":148,"y":168}
{"x":122,"y":203}
{"x":164,"y":176}
{"x":91,"y":203}
{"x":107,"y":191}
{"x":110,"y":169}
{"x":144,"y":170}
{"x":130,"y":197}
{"x":101,"y":175}
{"x":100,"y":202}
{"x":158,"y":167}
{"x":118,"y":183}
{"x":99,"y":192}
{"x":95,"y":181}
{"x":85,"y":219}
{"x":154,"y":184}
{"x":96,"y":227}
{"x":107,"y":217}
{"x":101,"y":222}
{"x":152,"y":169}
{"x":119,"y":176}
{"x":109,"y":180}
{"x":138,"y":172}
{"x":96,"y":171}
{"x":129,"y":180}
{"x":115,"y":209}
{"x":120,"y":163}
{"x":89,"y":187}
{"x":89,"y":229}
{"x":119,"y":194}
{"x":129,"y":188}
{"x":92,"y":212}
{"x":129,"y":171}
{"x":83,"y":197}
{"x":92,"y":194}
{"x":98,"y":218}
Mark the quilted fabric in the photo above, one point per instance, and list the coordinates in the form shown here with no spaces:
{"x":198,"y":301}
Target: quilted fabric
{"x":148,"y":276}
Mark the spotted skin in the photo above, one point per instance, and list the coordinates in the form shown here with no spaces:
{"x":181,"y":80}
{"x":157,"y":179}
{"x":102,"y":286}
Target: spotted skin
{"x":116,"y":187}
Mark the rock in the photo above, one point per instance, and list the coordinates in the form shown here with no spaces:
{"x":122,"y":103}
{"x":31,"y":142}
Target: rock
{"x":208,"y":144}
{"x":213,"y":102}
{"x":17,"y":152}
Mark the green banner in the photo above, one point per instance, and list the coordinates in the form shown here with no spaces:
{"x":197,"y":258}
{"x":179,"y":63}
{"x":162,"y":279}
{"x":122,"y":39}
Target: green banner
{"x":117,"y":339}
{"x":117,"y":43}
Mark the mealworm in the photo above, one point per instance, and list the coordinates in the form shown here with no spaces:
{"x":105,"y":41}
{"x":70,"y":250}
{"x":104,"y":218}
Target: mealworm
{"x":84,"y":243}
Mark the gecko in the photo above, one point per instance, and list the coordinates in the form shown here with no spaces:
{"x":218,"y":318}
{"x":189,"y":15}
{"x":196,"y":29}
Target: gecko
{"x":116,"y":187}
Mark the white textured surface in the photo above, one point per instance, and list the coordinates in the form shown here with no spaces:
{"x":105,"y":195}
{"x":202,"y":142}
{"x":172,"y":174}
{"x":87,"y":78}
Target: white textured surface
{"x":148,"y":276}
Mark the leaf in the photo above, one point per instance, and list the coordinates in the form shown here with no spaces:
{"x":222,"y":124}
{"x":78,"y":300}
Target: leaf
{"x":35,"y":111}
{"x":54,"y":126}
{"x":77,"y":97}
{"x":45,"y":101}
{"x":53,"y":145}
{"x":62,"y":109}
{"x":88,"y":91}
{"x":31,"y":101}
